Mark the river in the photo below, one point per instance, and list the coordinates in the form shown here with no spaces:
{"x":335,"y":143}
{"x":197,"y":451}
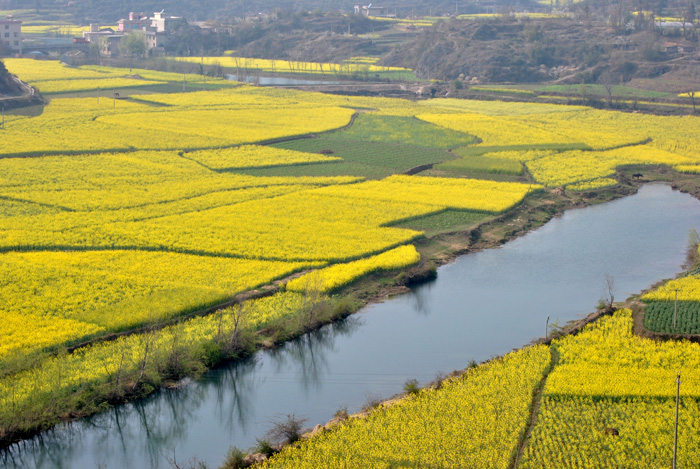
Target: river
{"x":279,"y":81}
{"x":482,"y":305}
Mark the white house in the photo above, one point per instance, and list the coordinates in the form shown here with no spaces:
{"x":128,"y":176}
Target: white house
{"x":11,"y":34}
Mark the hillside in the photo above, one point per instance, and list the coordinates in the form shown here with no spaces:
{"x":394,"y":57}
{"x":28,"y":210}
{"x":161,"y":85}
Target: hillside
{"x":109,"y":11}
{"x":506,"y":50}
{"x":8,"y":87}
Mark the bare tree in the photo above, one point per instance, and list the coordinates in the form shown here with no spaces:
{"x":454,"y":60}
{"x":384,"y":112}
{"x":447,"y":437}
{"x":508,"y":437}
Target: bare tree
{"x":148,"y":340}
{"x":688,"y":17}
{"x":288,"y":430}
{"x":311,"y":296}
{"x":609,"y":79}
{"x":619,"y":11}
{"x":609,"y":291}
{"x":692,"y":95}
{"x":692,"y":253}
{"x":230,"y":332}
{"x":192,"y":463}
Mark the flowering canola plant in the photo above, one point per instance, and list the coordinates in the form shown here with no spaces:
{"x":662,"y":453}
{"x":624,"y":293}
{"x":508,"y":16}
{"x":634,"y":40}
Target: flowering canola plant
{"x":474,"y":420}
{"x":607,"y":378}
{"x":132,"y":212}
{"x":335,"y":276}
{"x":255,"y":156}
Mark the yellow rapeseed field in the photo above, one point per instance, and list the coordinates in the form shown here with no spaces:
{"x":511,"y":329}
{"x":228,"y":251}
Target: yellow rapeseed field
{"x":606,"y":378}
{"x":335,"y":276}
{"x":255,"y":156}
{"x":124,"y":213}
{"x":474,"y":420}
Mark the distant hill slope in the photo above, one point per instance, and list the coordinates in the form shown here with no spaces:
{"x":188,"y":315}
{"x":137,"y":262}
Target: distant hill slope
{"x":506,"y":50}
{"x":110,"y":11}
{"x":8,"y":87}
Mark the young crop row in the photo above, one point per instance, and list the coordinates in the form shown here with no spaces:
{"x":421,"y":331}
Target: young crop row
{"x":373,"y":160}
{"x":679,"y":297}
{"x":470,"y":164}
{"x":403,"y":130}
{"x":149,"y":235}
{"x":474,"y":420}
{"x":658,"y":317}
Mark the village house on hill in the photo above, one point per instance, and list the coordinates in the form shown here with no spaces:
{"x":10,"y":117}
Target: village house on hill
{"x":155,"y":29}
{"x":373,"y":11}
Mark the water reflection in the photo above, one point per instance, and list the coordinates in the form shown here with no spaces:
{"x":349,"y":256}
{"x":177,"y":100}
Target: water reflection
{"x":233,"y":391}
{"x":420,"y":298}
{"x":278,"y":81}
{"x":483,"y":304}
{"x":156,"y":427}
{"x":308,"y":354}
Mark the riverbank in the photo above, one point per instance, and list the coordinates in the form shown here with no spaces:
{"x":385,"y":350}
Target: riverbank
{"x":480,"y":306}
{"x":438,"y":249}
{"x":558,"y":340}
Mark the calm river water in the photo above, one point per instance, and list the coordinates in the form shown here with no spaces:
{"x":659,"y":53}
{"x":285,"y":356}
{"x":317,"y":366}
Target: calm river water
{"x":482,"y":305}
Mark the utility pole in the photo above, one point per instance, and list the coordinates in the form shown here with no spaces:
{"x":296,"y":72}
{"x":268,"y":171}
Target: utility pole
{"x":675,"y":308}
{"x":546,"y":329}
{"x":675,"y":433}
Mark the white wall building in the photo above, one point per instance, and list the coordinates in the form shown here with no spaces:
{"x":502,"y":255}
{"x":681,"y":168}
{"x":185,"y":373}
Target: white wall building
{"x":11,"y":34}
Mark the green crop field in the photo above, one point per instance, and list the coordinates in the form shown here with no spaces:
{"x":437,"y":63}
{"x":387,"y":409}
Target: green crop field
{"x":369,"y":159}
{"x":659,"y":317}
{"x":484,"y":164}
{"x":403,"y":130}
{"x":444,"y":221}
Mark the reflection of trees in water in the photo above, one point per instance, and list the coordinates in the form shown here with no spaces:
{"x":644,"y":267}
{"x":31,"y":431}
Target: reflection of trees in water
{"x":150,"y":427}
{"x":422,"y":298}
{"x":48,"y":448}
{"x":155,"y":425}
{"x":308,"y":355}
{"x":234,"y":390}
